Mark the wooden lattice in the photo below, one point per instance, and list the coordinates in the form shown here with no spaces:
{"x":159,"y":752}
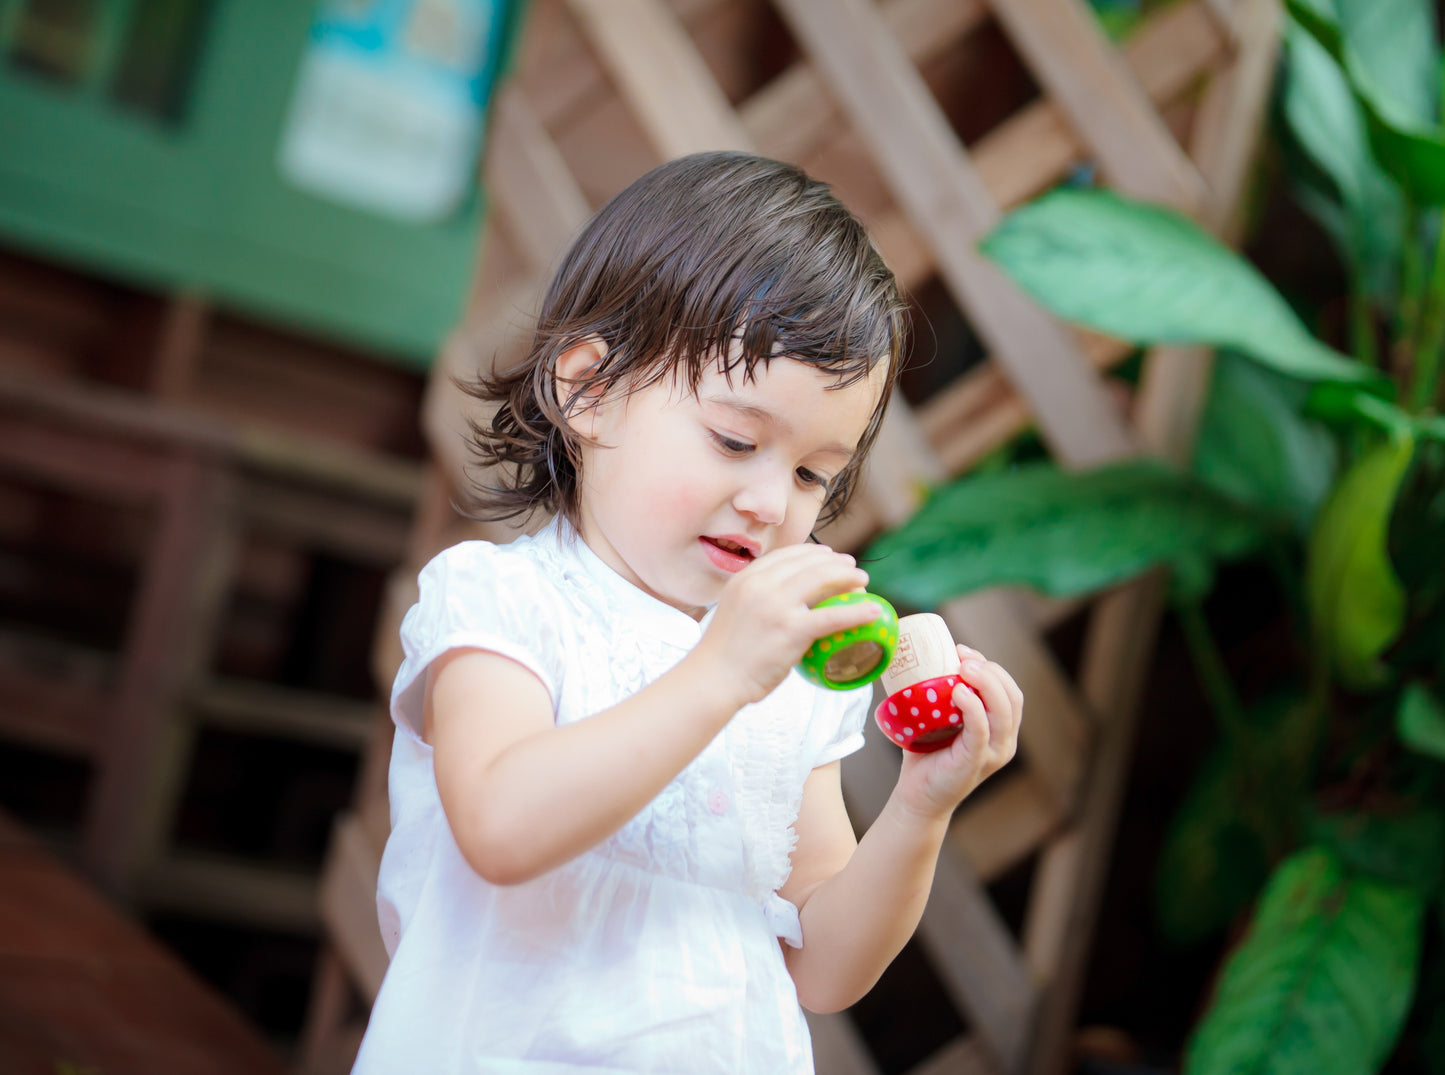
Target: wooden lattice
{"x":607,"y":88}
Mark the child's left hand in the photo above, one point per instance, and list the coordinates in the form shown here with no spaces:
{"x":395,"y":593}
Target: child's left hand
{"x":934,"y":784}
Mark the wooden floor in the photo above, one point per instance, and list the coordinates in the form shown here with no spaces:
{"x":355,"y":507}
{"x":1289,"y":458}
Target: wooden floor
{"x":85,"y":991}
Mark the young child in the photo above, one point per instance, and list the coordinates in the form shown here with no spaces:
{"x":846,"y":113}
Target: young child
{"x":610,"y":794}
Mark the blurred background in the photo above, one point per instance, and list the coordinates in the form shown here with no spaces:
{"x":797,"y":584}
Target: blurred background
{"x":245,"y":247}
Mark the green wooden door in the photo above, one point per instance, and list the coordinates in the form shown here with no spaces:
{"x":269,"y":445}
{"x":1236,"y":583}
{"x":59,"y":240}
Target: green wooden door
{"x":138,"y":139}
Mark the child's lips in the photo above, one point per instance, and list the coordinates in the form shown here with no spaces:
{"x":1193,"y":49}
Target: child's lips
{"x":730,"y":554}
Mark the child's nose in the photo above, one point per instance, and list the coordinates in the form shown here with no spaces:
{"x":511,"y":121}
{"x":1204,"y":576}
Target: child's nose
{"x":765,"y":498}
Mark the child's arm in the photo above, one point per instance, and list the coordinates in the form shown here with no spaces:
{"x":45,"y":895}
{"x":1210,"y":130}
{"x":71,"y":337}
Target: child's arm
{"x":860,"y":902}
{"x":523,"y":795}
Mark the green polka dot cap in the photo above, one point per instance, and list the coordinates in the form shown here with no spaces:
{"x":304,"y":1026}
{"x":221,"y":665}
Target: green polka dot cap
{"x":856,"y":656}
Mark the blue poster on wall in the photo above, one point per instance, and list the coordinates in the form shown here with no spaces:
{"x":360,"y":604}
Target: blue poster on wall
{"x":389,"y":104}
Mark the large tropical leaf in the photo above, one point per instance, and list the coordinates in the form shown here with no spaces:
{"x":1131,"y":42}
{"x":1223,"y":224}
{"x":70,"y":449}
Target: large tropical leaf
{"x":1147,"y":274}
{"x":1323,"y":980}
{"x":1329,"y":125}
{"x":1062,"y":533}
{"x":1256,"y":447}
{"x":1393,"y":44}
{"x":1408,"y":144}
{"x":1357,"y":605}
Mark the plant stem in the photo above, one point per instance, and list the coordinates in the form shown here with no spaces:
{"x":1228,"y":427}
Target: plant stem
{"x":1425,"y":371}
{"x":1362,"y":328}
{"x":1412,"y":278}
{"x":1213,"y":675}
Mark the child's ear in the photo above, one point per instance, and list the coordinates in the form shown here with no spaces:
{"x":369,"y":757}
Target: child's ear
{"x":577,"y":363}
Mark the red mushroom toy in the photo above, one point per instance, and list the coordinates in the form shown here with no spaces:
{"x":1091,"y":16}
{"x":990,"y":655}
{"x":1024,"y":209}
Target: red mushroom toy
{"x":918,"y":713}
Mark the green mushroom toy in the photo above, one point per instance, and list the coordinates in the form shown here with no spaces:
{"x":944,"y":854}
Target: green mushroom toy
{"x":856,"y":656}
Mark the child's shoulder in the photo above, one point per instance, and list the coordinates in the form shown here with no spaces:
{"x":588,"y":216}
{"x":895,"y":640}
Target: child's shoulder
{"x":523,"y":562}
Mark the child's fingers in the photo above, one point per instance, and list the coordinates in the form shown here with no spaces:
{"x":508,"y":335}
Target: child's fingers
{"x":982,"y":678}
{"x":973,"y":739}
{"x":835,"y":618}
{"x":1011,"y":689}
{"x":806,"y":573}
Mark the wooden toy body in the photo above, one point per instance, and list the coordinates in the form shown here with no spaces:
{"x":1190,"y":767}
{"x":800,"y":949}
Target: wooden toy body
{"x":919,"y":714}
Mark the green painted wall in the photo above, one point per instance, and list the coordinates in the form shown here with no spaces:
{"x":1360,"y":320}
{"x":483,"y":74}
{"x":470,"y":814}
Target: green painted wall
{"x":202,"y":204}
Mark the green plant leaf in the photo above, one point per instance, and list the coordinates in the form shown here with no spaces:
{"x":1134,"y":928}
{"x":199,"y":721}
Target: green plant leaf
{"x":1241,"y":813}
{"x":1147,"y":274}
{"x":1420,"y":721}
{"x":1347,"y":404}
{"x":1063,"y":533}
{"x":1417,"y":529}
{"x":1393,"y":43}
{"x":1409,"y":146}
{"x":1357,"y":605}
{"x":1407,"y":848}
{"x":1256,"y":447}
{"x":1328,"y":123}
{"x":1213,"y":861}
{"x":1323,"y":980}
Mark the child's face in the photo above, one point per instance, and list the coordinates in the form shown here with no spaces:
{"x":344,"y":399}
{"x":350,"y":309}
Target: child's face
{"x":684,"y":490}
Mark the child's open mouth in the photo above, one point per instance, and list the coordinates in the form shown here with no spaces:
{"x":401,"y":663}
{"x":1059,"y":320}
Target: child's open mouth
{"x":728,"y":554}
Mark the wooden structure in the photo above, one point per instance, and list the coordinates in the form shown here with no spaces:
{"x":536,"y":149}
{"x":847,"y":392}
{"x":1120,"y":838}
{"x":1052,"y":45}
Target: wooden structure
{"x":605,"y":89}
{"x":83,"y":989}
{"x":167,"y":463}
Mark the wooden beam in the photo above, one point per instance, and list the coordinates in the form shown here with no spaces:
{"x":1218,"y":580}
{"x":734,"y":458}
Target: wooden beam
{"x":1054,"y":740}
{"x":121,"y":472}
{"x":975,"y":954}
{"x":530,"y":183}
{"x":936,"y":185}
{"x":232,"y":890}
{"x":658,"y":70}
{"x":1074,"y":62}
{"x":1035,"y":147}
{"x":347,"y":899}
{"x":1072,"y":871}
{"x":254,"y":708}
{"x":1005,"y":825}
{"x":318,"y":518}
{"x":980,"y":411}
{"x":794,"y":113}
{"x":962,"y":1056}
{"x":162,"y":625}
{"x":968,"y":944}
{"x":184,"y":325}
{"x":838,"y":1048}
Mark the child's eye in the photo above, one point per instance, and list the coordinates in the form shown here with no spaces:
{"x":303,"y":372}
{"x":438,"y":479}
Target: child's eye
{"x":729,"y":445}
{"x":816,"y":481}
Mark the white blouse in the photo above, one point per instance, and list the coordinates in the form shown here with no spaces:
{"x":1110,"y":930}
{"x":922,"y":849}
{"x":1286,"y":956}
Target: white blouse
{"x":657,"y":950}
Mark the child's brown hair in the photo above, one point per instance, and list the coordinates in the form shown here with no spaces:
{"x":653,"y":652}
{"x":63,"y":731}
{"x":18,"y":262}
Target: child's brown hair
{"x":713,"y":258}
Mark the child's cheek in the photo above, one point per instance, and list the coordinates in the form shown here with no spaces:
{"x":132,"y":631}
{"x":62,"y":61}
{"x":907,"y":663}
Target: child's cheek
{"x":678,"y":499}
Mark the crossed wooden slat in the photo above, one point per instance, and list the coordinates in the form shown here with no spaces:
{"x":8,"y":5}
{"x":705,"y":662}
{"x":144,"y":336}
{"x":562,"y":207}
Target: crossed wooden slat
{"x":858,"y":83}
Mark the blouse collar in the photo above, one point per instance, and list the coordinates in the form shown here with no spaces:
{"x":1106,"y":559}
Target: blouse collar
{"x":657,"y":618}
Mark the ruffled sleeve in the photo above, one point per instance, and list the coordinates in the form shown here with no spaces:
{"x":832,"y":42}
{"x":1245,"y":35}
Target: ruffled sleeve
{"x":839,"y":718}
{"x":482,"y":596}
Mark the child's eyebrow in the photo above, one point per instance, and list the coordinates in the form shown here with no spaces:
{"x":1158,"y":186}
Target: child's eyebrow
{"x":769,"y":418}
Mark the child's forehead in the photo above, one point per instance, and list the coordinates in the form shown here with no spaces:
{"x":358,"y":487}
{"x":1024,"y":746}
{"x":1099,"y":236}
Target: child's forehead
{"x":782,"y":384}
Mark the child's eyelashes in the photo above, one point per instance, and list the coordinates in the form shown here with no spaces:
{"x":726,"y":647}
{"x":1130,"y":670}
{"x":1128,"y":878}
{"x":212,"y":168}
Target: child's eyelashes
{"x":730,"y":445}
{"x":812,"y":480}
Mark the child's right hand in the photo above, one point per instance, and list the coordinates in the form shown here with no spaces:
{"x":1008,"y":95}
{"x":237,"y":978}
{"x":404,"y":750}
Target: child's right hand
{"x":765,"y":619}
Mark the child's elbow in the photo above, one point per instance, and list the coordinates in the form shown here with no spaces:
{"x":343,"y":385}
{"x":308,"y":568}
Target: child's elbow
{"x":829,"y":995}
{"x":826,"y":1000}
{"x":498,"y":856}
